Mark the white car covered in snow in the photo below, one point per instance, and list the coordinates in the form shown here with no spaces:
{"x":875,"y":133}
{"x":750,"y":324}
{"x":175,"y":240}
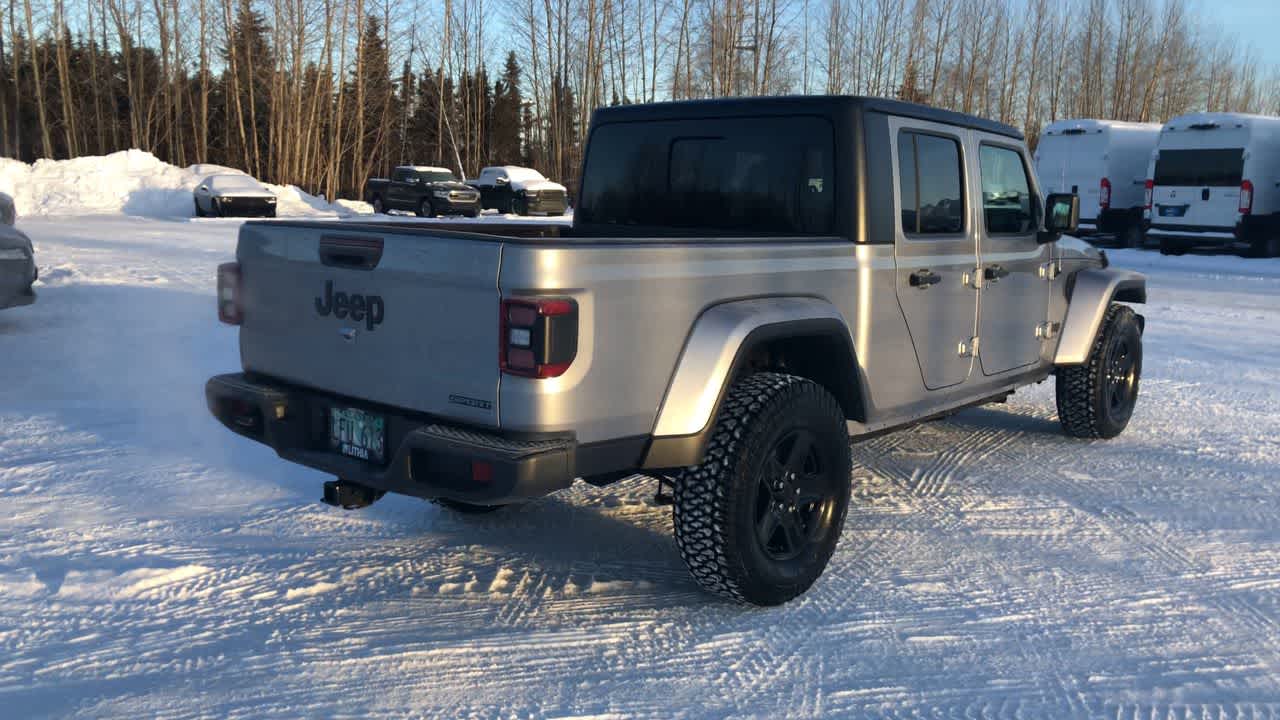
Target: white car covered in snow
{"x":17,"y":260}
{"x":233,"y":194}
{"x":520,"y":190}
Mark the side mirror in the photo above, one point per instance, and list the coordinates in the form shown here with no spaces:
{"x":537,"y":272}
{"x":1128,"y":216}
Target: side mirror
{"x":1062,"y":215}
{"x":502,"y":180}
{"x":203,"y":188}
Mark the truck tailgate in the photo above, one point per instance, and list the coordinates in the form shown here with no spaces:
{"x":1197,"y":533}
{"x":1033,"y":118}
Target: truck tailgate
{"x":398,"y":316}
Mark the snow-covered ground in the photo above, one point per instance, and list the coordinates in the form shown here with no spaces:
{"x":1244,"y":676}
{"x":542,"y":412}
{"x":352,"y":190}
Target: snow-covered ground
{"x":154,"y":565}
{"x":135,"y":183}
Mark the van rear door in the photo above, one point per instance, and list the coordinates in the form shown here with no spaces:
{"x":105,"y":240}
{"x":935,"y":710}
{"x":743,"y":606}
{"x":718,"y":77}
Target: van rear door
{"x":1197,"y":189}
{"x":1072,"y":162}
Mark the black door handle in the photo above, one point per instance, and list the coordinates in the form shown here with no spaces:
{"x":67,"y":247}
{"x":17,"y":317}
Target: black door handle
{"x":924,"y":278}
{"x":356,"y":253}
{"x":995,"y":272}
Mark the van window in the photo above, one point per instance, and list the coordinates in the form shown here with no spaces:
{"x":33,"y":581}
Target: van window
{"x":771,"y":176}
{"x":1219,"y":167}
{"x":1007,"y":203}
{"x":930,"y":184}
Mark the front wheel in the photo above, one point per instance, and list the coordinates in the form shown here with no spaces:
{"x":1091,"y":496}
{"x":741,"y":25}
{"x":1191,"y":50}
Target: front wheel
{"x":1096,"y":399}
{"x":426,"y":209}
{"x":378,"y":206}
{"x":758,"y":520}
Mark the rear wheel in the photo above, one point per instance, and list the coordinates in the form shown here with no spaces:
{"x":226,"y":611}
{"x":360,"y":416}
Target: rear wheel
{"x":1132,"y":237}
{"x":758,"y":519}
{"x":1169,"y":246}
{"x":1096,"y":399}
{"x":1265,"y":247}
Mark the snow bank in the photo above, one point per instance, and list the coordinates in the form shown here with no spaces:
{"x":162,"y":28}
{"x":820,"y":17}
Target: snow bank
{"x":129,"y":182}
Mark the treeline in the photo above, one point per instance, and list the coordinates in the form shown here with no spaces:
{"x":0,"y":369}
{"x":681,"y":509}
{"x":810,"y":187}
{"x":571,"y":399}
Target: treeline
{"x":325,"y":93}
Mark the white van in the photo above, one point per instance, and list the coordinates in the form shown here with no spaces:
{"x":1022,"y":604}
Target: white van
{"x":1105,"y":163}
{"x":1215,"y":180}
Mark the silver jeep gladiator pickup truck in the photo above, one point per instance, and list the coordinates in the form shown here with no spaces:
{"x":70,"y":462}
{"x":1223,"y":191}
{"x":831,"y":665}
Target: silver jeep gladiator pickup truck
{"x":747,"y":285}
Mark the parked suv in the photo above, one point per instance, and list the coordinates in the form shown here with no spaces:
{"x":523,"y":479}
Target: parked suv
{"x":747,"y":283}
{"x":1215,"y":180}
{"x":426,"y":191}
{"x":1105,"y":163}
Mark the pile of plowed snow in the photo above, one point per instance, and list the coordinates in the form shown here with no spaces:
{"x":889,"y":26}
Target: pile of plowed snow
{"x":129,"y":182}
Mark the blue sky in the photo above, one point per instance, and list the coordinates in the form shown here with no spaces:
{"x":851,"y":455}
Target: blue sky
{"x":1257,"y":22}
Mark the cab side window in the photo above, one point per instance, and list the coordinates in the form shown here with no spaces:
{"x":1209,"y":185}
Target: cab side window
{"x":930,"y":184}
{"x":1007,"y":203}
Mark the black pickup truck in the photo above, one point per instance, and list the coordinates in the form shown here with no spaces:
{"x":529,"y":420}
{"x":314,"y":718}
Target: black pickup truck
{"x":427,"y":191}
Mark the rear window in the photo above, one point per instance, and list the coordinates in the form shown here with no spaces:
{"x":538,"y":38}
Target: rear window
{"x":743,"y":175}
{"x":1200,"y":168}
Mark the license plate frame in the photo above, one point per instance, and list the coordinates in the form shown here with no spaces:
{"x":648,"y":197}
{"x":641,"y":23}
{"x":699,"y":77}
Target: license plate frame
{"x":358,"y":434}
{"x":1173,"y":210}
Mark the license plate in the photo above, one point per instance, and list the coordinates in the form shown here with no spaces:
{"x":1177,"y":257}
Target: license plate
{"x":358,"y":434}
{"x":1173,"y":210}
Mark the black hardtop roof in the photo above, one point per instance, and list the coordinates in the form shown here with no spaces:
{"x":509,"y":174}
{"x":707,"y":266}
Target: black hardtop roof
{"x":825,"y":105}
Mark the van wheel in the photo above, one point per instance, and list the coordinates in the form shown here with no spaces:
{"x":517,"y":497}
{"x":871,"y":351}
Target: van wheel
{"x":1133,"y":237}
{"x":1172,"y":247}
{"x":758,"y":519}
{"x":465,"y":508}
{"x":1265,"y":247}
{"x":1096,"y":400}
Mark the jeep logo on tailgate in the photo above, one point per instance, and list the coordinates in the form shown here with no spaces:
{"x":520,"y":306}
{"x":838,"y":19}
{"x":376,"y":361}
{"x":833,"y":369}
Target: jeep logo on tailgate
{"x":355,"y":306}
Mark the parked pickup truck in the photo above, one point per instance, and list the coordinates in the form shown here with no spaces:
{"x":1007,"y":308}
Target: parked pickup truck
{"x":426,"y":191}
{"x":746,"y":285}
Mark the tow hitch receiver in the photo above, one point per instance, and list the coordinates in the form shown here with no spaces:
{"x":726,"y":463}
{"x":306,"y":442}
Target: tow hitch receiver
{"x":348,"y":495}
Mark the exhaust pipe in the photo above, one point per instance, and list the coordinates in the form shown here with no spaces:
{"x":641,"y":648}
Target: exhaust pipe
{"x":348,"y":495}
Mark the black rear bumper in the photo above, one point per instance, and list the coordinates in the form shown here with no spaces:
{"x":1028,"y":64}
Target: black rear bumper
{"x":427,"y":458}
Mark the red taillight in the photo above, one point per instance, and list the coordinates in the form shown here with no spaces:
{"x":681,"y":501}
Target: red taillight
{"x":1104,"y":194}
{"x":1246,"y":197}
{"x":229,"y":308}
{"x":1150,"y":192}
{"x":539,"y":336}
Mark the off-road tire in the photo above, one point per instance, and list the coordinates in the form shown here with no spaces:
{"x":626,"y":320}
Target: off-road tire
{"x":464,"y":507}
{"x":426,"y":209}
{"x":715,"y":502}
{"x":1083,"y":392}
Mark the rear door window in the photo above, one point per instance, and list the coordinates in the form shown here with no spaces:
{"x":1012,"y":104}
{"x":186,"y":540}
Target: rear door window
{"x":1007,"y":203}
{"x":930,"y":184}
{"x":1218,"y":167}
{"x":772,"y":176}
